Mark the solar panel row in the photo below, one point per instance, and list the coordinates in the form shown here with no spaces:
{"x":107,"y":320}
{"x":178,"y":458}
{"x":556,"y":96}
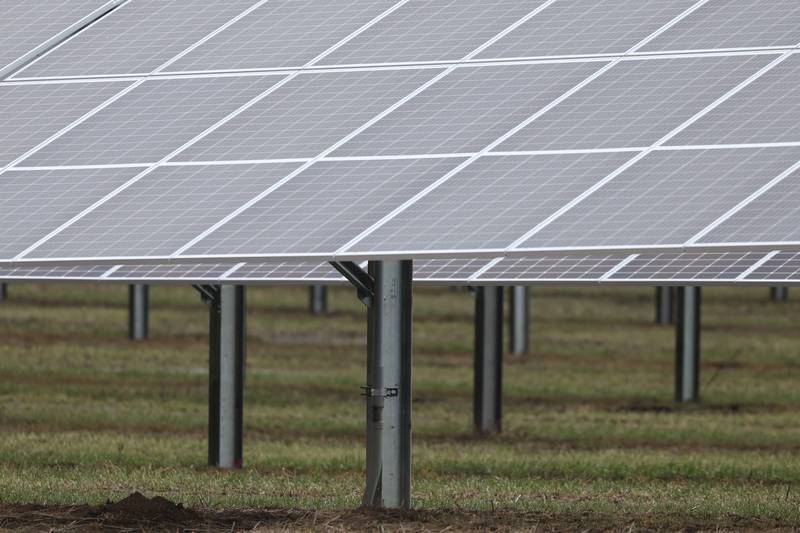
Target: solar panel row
{"x":651,"y":269}
{"x":624,"y":151}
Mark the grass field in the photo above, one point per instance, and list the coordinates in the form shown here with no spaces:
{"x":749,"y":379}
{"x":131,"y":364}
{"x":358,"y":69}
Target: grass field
{"x":591,"y":436}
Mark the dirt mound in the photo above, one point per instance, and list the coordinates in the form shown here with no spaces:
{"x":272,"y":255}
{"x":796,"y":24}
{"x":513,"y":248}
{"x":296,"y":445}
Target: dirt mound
{"x":156,"y":509}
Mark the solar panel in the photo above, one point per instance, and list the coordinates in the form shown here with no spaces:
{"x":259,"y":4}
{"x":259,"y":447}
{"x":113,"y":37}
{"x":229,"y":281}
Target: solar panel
{"x":433,"y":30}
{"x":54,"y":273}
{"x":171,"y":272}
{"x":635,"y":103}
{"x":281,"y":34}
{"x":552,"y":269}
{"x":322,"y":207}
{"x":779,"y":267}
{"x":30,"y":114}
{"x":770,"y":217}
{"x":580,"y":27}
{"x":734,"y":24}
{"x":151,"y":121}
{"x":278,"y":271}
{"x":475,"y":158}
{"x":163,"y":210}
{"x":136,"y":38}
{"x":34,"y":203}
{"x":490,"y":203}
{"x":447,"y":271}
{"x":468,"y":109}
{"x":307,"y":115}
{"x":722,"y":266}
{"x":763,"y":112}
{"x":26,"y":26}
{"x":665,"y":198}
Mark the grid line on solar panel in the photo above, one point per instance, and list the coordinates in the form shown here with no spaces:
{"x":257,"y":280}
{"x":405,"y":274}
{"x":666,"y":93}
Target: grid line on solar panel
{"x":283,"y":34}
{"x":769,"y":216}
{"x":279,"y":270}
{"x":447,"y":269}
{"x":30,"y":28}
{"x":490,"y":202}
{"x":520,"y":243}
{"x":550,"y":268}
{"x":696,"y":266}
{"x":588,"y":26}
{"x":82,"y":272}
{"x":636,"y":103}
{"x":763,"y":112}
{"x":780,"y":266}
{"x":322,"y":206}
{"x":506,"y":136}
{"x":143,"y":34}
{"x":33,"y":203}
{"x":144,"y":173}
{"x":720,"y":24}
{"x":162,"y":211}
{"x":665,"y":198}
{"x":171,"y":271}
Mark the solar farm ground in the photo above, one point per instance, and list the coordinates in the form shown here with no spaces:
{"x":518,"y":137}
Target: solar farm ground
{"x":591,"y":440}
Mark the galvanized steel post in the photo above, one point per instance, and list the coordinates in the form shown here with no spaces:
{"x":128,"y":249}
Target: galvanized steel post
{"x":388,"y":389}
{"x":227,"y":327}
{"x":488,"y":359}
{"x":687,"y":360}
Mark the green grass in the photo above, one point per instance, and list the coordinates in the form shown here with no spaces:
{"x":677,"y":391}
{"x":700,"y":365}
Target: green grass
{"x":589,"y":426}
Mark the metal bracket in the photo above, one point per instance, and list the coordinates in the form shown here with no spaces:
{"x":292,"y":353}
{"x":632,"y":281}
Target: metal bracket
{"x":208,"y":293}
{"x":372,"y":392}
{"x":362,"y":281}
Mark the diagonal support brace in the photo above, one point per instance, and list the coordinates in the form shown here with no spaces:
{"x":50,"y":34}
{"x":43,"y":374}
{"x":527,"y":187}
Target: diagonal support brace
{"x":362,"y":281}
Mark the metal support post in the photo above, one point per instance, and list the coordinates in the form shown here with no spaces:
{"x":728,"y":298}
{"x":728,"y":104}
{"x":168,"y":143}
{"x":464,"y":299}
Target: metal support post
{"x":138,"y":312}
{"x":665,"y":307}
{"x":779,"y":294}
{"x":388,"y":389}
{"x":318,"y":299}
{"x":519,"y":319}
{"x":488,"y":359}
{"x":227,"y":336}
{"x":687,"y":361}
{"x":3,"y":292}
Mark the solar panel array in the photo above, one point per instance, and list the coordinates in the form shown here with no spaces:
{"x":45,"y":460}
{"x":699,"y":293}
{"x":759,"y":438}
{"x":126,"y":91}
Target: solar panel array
{"x":720,"y":268}
{"x":463,"y":130}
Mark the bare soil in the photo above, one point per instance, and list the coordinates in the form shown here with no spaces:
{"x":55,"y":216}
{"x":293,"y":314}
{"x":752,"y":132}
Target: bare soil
{"x":137,"y":513}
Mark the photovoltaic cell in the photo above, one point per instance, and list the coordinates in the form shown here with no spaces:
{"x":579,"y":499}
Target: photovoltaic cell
{"x":277,"y":271}
{"x":432,"y":30}
{"x":783,"y":266}
{"x":734,"y":24}
{"x":665,"y":198}
{"x":30,"y":114}
{"x":26,"y":25}
{"x":163,"y":211}
{"x":447,"y":270}
{"x":723,"y":266}
{"x":53,"y":273}
{"x":492,"y":202}
{"x":635,"y":103}
{"x":764,"y":111}
{"x":307,"y":115}
{"x":468,"y":109}
{"x":170,"y":272}
{"x":136,"y":38}
{"x":151,"y":121}
{"x":34,"y":203}
{"x":323,"y":207}
{"x":772,"y":217}
{"x":588,"y":268}
{"x":578,"y":27}
{"x":282,"y":33}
